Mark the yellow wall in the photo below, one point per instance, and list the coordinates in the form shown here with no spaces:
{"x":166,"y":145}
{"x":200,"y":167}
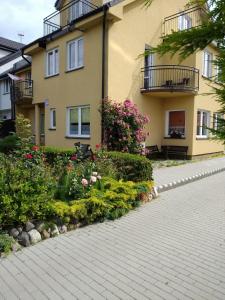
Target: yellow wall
{"x":74,"y":88}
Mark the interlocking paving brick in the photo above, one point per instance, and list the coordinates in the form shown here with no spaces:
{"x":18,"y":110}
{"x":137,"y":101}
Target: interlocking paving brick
{"x":172,"y":248}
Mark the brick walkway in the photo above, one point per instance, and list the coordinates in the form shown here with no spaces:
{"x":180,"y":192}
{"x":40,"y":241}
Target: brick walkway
{"x":167,"y":175}
{"x":171,"y":248}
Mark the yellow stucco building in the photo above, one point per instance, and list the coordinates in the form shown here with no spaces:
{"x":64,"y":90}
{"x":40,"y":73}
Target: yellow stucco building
{"x":91,"y":50}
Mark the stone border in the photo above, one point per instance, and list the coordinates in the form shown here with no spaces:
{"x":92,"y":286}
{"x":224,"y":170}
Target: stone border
{"x":186,"y":180}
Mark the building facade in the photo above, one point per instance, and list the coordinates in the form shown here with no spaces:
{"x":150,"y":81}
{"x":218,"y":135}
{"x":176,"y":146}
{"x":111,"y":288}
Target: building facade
{"x":91,"y":50}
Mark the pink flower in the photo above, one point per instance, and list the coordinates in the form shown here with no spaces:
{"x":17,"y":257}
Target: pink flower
{"x":84,"y":182}
{"x":28,"y":156}
{"x":35,"y":148}
{"x":93,"y":179}
{"x":99,"y":177}
{"x":74,"y":157}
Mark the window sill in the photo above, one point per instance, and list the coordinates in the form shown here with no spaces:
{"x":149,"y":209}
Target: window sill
{"x":207,"y":78}
{"x":50,"y":76}
{"x":52,"y":129}
{"x":75,"y":69}
{"x":78,"y":137}
{"x":203,"y":138}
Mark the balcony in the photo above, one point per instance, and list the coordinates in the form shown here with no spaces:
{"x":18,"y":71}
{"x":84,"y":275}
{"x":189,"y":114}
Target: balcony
{"x":67,"y":15}
{"x":184,"y":20}
{"x":165,"y":79}
{"x":22,"y":91}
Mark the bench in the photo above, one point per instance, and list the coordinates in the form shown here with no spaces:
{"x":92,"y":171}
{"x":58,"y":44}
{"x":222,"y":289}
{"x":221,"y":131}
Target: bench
{"x":152,"y":151}
{"x":175,"y":151}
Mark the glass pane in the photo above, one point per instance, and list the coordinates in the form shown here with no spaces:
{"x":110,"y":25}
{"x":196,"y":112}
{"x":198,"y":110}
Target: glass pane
{"x":74,"y":121}
{"x":85,"y":120}
{"x":72,"y":56}
{"x":50,"y":63}
{"x":53,"y":118}
{"x":204,"y":123}
{"x":177,"y":123}
{"x":80,"y":52}
{"x":56,"y":61}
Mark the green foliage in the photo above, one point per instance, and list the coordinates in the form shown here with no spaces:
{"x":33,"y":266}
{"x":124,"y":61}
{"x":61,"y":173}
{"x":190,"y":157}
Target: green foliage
{"x":132,"y":167}
{"x":23,"y":130}
{"x":26,"y":191}
{"x":56,"y":155}
{"x":9,"y":143}
{"x":71,"y":212}
{"x":6,"y":243}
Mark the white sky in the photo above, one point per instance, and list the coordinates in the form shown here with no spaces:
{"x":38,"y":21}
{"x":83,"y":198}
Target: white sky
{"x":24,"y":16}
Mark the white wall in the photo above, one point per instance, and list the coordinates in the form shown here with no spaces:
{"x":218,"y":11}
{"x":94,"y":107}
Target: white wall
{"x":3,"y":53}
{"x":5,"y":103}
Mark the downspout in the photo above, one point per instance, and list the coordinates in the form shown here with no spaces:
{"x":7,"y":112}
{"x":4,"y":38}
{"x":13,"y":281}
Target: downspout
{"x":22,"y":54}
{"x":104,"y":32}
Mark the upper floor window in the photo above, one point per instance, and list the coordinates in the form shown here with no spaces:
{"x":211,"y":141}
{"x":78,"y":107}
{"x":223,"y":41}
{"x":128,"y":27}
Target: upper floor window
{"x":184,"y":22}
{"x":77,"y":9}
{"x":52,"y":62}
{"x":53,"y":118}
{"x":6,"y":86}
{"x":207,"y":64}
{"x":75,"y":54}
{"x":203,"y":119}
{"x":78,"y":121}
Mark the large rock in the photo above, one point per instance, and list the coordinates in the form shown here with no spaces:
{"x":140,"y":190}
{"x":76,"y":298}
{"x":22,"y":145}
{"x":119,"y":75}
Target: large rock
{"x":29,"y":226}
{"x":35,"y":236}
{"x":23,"y":239}
{"x":63,"y":229}
{"x":45,"y":234}
{"x":14,"y":233}
{"x":40,"y":226}
{"x":16,"y":247}
{"x":54,"y":230}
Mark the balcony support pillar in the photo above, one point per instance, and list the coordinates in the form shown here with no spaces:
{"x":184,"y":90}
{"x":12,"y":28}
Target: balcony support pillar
{"x":37,"y":124}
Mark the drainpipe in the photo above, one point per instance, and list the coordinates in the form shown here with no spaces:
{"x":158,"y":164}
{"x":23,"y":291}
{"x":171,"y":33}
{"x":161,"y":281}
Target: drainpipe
{"x":22,"y":54}
{"x":104,"y":32}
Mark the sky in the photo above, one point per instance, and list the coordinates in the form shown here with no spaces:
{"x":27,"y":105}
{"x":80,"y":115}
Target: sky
{"x":24,"y":16}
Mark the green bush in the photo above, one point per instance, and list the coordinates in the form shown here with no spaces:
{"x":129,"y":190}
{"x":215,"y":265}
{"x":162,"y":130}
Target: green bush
{"x":26,"y":190}
{"x":54,"y":154}
{"x":6,"y":243}
{"x":131,"y":167}
{"x":9,"y":143}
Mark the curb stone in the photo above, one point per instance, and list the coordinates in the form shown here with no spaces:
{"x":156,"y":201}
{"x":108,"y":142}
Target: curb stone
{"x":183,"y":181}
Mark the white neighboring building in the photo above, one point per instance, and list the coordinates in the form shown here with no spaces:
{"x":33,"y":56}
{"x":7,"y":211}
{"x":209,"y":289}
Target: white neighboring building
{"x":9,"y":55}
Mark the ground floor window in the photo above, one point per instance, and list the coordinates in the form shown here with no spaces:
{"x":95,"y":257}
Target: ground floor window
{"x":202,"y":123}
{"x":216,"y":120}
{"x":175,"y":124}
{"x":78,"y":121}
{"x":53,"y":118}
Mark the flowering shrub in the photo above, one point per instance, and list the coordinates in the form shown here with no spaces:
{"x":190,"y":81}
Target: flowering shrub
{"x":123,"y":126}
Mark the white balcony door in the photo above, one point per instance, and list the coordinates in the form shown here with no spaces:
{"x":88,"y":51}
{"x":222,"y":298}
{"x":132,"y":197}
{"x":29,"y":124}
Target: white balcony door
{"x":77,"y":9}
{"x":149,"y":73}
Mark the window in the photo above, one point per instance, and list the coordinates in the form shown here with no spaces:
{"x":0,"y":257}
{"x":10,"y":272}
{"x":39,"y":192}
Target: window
{"x":6,"y":86}
{"x":202,"y":123}
{"x":78,"y":9}
{"x":75,"y":54}
{"x":52,"y":118}
{"x":207,"y":64}
{"x":184,"y":22}
{"x":52,"y":67}
{"x":175,"y":124}
{"x":28,"y":80}
{"x":78,"y":121}
{"x":217,"y":120}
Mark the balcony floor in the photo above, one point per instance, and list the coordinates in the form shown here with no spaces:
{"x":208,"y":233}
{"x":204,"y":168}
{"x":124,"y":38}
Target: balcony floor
{"x":168,"y":92}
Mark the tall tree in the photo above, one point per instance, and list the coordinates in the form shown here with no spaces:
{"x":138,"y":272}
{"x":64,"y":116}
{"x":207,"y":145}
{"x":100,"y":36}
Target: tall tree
{"x":186,"y":42}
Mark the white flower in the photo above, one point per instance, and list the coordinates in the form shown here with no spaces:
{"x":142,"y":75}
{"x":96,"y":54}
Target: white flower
{"x":99,"y":177}
{"x":84,"y":182}
{"x":93,"y":179}
{"x":95,"y":174}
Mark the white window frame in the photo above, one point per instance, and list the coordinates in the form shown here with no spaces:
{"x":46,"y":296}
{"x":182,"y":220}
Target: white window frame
{"x":216,"y":116}
{"x":207,"y":64}
{"x":77,"y":65}
{"x":184,"y":22}
{"x":52,"y":112}
{"x":167,"y":122}
{"x":79,"y":122}
{"x":78,"y":9}
{"x":55,"y":66}
{"x":6,"y":84}
{"x":203,"y":136}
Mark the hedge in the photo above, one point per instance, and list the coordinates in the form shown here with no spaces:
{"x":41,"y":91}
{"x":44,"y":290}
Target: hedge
{"x":133,"y":167}
{"x":52,"y":153}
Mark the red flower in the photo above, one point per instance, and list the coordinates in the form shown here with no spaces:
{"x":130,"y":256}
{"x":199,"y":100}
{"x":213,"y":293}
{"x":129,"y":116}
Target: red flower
{"x":98,"y":146}
{"x":35,"y":148}
{"x":74,"y":157}
{"x":28,"y":156}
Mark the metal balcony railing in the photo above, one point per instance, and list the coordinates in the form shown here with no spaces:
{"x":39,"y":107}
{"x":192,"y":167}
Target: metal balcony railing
{"x":67,"y":14}
{"x":184,"y":20}
{"x":22,"y":90}
{"x":170,"y":78}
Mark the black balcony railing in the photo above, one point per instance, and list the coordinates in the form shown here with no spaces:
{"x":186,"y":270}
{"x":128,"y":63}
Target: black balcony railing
{"x":170,"y":78}
{"x":184,"y":20}
{"x":67,"y":14}
{"x":22,"y":90}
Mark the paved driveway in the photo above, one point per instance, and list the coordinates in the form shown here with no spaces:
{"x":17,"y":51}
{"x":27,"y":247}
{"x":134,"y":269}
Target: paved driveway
{"x":172,"y":248}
